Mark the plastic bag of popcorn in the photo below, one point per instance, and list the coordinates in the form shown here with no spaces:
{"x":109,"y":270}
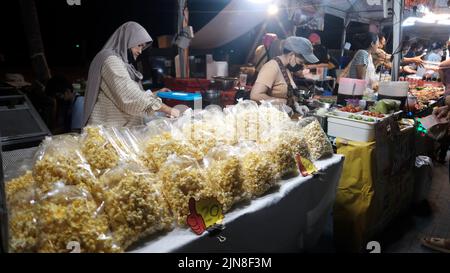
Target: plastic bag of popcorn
{"x":222,"y":168}
{"x":98,"y":149}
{"x":271,"y":116}
{"x":183,"y":178}
{"x":319,"y":145}
{"x":67,"y":217}
{"x":59,"y":159}
{"x":134,"y":203}
{"x":247,"y":120}
{"x":157,"y":144}
{"x":21,"y":211}
{"x":258,"y":173}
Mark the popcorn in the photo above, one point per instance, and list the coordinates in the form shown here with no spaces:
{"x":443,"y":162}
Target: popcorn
{"x":20,"y":199}
{"x":98,"y":151}
{"x":182,"y":179}
{"x":69,"y":214}
{"x":159,"y":147}
{"x":258,"y":174}
{"x":223,"y":177}
{"x":317,"y":141}
{"x":134,"y":206}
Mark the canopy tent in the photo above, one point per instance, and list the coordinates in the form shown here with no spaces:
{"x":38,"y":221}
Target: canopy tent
{"x":241,"y":16}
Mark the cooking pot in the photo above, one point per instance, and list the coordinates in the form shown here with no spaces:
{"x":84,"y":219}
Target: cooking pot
{"x":223,"y":83}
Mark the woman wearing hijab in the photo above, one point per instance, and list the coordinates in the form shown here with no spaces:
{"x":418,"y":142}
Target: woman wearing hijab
{"x":114,"y":93}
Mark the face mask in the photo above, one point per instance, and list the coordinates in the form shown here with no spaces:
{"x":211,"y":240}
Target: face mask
{"x":294,"y":68}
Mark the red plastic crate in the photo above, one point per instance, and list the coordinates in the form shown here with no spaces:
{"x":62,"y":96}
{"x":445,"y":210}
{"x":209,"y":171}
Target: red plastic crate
{"x":187,"y":85}
{"x":227,"y":97}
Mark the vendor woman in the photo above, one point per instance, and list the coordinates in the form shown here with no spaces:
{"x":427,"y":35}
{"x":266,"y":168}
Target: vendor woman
{"x":114,"y":93}
{"x":275,"y":81}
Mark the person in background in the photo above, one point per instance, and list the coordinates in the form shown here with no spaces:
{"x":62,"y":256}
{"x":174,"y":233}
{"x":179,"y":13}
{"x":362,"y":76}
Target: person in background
{"x":263,"y":51}
{"x":381,"y":60}
{"x":275,"y":80}
{"x":114,"y":94}
{"x":436,"y":53}
{"x":361,"y":66}
{"x":60,"y":94}
{"x":321,"y":52}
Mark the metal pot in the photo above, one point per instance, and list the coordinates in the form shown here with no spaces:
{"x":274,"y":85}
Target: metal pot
{"x":224,"y":83}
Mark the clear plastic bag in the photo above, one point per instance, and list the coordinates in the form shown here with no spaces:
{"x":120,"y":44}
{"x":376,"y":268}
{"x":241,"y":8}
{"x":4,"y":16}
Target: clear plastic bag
{"x":258,"y":173}
{"x":69,"y":216}
{"x":22,"y":218}
{"x":182,"y":179}
{"x":223,"y":175}
{"x":157,"y":143}
{"x":98,"y":149}
{"x":319,"y":145}
{"x":134,"y":204}
{"x":271,"y":117}
{"x":247,"y":120}
{"x":59,"y":159}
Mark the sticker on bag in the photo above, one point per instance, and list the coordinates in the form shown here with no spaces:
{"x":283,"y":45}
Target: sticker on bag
{"x":203,"y":214}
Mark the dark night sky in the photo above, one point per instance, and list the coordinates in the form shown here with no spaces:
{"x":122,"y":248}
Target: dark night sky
{"x":89,"y":26}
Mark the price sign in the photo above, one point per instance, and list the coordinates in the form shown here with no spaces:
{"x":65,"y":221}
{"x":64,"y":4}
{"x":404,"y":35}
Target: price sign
{"x":204,"y":214}
{"x":305,"y":166}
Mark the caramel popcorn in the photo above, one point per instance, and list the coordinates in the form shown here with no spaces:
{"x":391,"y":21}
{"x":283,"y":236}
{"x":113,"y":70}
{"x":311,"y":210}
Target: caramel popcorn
{"x":69,"y":214}
{"x":133,"y":204}
{"x":20,"y":199}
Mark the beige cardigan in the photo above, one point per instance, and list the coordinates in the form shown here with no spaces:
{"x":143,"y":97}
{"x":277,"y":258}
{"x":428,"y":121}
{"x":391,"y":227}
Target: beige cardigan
{"x":121,"y":101}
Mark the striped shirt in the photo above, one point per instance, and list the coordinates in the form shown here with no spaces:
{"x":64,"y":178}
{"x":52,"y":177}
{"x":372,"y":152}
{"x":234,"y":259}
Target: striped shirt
{"x":121,"y":101}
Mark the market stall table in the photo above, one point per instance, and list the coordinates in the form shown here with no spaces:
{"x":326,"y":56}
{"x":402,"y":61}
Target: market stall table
{"x":287,"y":219}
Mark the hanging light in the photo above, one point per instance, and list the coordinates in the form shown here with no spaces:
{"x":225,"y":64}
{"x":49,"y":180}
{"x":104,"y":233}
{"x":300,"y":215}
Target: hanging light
{"x":272,"y":9}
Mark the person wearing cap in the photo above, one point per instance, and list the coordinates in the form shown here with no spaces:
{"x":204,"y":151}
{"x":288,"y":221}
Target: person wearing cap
{"x":275,"y":80}
{"x":114,"y":93}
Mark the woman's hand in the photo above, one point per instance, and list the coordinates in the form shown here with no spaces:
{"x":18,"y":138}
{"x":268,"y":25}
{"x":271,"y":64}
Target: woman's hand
{"x":169,"y":111}
{"x":162,"y":90}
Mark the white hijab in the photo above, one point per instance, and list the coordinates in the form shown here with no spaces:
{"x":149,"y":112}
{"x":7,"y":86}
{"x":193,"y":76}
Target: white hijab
{"x":128,"y":35}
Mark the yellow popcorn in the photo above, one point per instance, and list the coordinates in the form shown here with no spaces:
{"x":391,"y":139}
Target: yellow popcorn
{"x":159,"y":147}
{"x":98,"y":151}
{"x":61,"y":161}
{"x":134,"y":206}
{"x":258,"y":174}
{"x":182,"y":179}
{"x":20,"y":199}
{"x":69,"y":214}
{"x":223,"y":177}
{"x":282,"y":154}
{"x":317,"y":141}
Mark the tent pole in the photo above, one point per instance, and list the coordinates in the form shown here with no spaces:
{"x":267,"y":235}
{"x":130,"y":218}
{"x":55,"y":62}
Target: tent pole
{"x":182,"y":52}
{"x":344,"y":35}
{"x":397,"y":36}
